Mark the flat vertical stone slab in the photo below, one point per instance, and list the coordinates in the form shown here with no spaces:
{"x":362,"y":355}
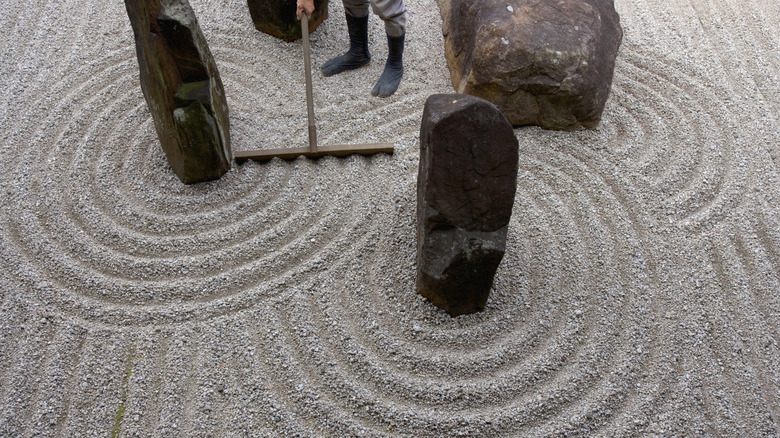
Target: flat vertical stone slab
{"x":547,"y":63}
{"x":465,"y":193}
{"x":277,"y":17}
{"x":182,"y":88}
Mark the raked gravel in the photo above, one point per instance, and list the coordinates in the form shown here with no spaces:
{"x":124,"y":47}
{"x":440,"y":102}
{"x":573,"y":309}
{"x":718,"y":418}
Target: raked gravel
{"x":639,"y":296}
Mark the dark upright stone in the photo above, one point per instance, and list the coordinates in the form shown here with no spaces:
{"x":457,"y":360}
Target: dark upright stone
{"x":182,"y":88}
{"x":465,"y":193}
{"x":546,"y":63}
{"x":277,"y":17}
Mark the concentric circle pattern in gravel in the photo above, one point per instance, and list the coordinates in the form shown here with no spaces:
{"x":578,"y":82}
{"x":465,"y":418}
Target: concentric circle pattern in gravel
{"x":639,"y":296}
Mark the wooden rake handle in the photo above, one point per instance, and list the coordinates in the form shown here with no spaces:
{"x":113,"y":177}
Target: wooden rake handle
{"x":309,"y":93}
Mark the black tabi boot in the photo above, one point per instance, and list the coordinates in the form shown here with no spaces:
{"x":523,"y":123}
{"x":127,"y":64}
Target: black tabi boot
{"x":357,"y":55}
{"x":394,"y":68}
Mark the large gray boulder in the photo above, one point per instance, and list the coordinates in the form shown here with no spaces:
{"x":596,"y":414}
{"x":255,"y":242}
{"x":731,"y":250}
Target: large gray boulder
{"x":546,"y":63}
{"x":277,"y":17}
{"x":465,"y":193}
{"x":182,"y":88}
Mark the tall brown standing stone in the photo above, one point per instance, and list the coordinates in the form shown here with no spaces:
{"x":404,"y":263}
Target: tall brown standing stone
{"x":548,"y":63}
{"x":277,"y":17}
{"x":182,"y":87}
{"x":465,"y":194}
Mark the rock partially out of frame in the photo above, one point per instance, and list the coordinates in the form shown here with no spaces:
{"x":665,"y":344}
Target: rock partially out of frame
{"x":546,"y":63}
{"x":277,"y":17}
{"x":182,"y":87}
{"x":465,"y":193}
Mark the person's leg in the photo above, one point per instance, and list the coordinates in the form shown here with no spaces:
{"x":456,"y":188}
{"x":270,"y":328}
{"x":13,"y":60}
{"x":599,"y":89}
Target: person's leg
{"x":356,"y":8}
{"x":393,"y":13}
{"x":357,"y":26}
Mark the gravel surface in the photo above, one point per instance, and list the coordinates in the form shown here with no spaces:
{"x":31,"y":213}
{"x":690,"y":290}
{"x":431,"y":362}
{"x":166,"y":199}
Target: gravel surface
{"x":640,"y":293}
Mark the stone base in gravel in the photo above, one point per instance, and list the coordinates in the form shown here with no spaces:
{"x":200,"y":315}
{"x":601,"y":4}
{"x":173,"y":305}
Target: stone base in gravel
{"x":543,"y":63}
{"x":277,"y":17}
{"x":465,"y":193}
{"x":182,"y":87}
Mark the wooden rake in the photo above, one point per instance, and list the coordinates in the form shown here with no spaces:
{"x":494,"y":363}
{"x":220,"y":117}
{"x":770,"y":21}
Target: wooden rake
{"x":313,"y":151}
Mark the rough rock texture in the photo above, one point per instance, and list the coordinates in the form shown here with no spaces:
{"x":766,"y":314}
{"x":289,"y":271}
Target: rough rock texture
{"x":182,"y":88}
{"x":465,"y":193}
{"x":543,"y":63}
{"x":277,"y":17}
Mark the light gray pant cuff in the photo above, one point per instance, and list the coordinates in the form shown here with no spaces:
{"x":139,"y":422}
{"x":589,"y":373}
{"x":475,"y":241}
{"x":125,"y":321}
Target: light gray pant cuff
{"x":392,"y":12}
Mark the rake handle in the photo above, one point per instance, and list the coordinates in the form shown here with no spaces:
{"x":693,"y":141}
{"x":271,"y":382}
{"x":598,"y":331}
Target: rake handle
{"x":309,"y":93}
